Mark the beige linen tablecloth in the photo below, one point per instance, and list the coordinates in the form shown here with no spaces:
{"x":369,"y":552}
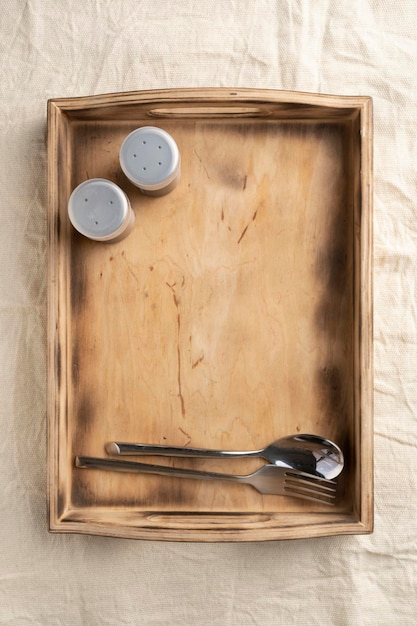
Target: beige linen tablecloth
{"x":81,"y":47}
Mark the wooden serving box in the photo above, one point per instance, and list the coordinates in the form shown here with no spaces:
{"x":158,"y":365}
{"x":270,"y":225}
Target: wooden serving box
{"x":238,"y":311}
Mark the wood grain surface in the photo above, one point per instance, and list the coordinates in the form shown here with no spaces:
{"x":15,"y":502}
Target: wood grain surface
{"x":237,"y":311}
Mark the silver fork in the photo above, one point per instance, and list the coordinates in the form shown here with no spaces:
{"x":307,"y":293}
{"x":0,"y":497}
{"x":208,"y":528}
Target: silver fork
{"x":269,"y":479}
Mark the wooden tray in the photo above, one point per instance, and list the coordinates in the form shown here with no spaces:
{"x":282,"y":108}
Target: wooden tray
{"x":239,"y":310}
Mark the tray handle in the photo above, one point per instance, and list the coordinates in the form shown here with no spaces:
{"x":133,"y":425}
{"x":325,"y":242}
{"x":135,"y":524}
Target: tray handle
{"x":205,"y":111}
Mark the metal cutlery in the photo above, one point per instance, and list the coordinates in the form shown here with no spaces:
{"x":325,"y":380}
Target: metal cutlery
{"x":268,"y":480}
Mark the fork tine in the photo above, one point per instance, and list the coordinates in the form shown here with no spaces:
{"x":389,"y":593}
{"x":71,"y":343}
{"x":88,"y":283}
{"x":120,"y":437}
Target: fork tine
{"x":310,"y":487}
{"x":307,"y":496}
{"x":303,"y":488}
{"x":314,"y":482}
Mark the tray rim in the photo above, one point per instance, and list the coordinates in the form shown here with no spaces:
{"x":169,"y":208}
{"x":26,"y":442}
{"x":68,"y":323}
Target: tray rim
{"x":342,"y":524}
{"x":359,"y":522}
{"x":211,"y":94}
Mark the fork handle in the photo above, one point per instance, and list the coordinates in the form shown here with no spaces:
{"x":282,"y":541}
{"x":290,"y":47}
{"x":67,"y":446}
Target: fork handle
{"x":117,"y":448}
{"x":146,"y":468}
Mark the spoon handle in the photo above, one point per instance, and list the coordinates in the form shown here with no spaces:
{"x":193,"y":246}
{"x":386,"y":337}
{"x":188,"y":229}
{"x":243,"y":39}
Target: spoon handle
{"x":116,"y":448}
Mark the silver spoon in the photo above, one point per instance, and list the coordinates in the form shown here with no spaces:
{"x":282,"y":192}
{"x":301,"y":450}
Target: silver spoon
{"x":306,"y":453}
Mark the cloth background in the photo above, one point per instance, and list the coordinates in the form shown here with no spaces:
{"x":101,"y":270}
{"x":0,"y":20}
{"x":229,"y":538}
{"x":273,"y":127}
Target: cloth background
{"x":57,"y":48}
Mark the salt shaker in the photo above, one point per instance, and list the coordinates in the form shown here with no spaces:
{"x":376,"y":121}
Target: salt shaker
{"x":150,"y":159}
{"x":100,"y":210}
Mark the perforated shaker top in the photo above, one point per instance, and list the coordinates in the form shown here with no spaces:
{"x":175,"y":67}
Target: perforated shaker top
{"x":99,"y":209}
{"x":149,"y":157}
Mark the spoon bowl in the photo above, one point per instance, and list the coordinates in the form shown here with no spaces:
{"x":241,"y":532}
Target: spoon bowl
{"x":307,"y":453}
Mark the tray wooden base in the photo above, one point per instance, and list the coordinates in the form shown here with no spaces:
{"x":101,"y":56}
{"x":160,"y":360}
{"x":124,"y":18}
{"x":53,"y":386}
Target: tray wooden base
{"x":238,"y":310}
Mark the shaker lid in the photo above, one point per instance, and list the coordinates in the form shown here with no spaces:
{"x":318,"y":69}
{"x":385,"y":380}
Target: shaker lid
{"x":98,"y":209}
{"x":149,"y":157}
